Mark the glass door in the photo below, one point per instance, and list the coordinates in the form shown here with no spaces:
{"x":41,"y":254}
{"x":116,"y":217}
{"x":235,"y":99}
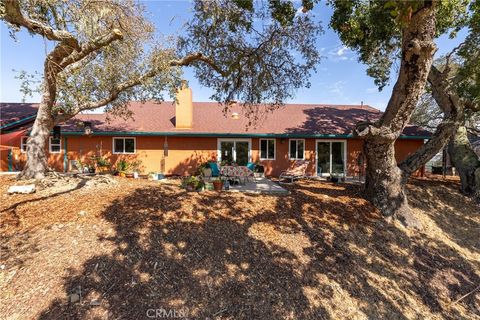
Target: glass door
{"x":226,"y":151}
{"x":330,"y":158}
{"x":241,"y":153}
{"x":338,"y":157}
{"x":237,"y":151}
{"x":323,"y":158}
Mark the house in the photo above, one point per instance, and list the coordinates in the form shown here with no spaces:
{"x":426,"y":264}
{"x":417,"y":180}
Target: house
{"x":175,"y":138}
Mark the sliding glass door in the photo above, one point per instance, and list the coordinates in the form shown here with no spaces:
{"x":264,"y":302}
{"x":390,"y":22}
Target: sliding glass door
{"x":331,"y":157}
{"x":233,"y":150}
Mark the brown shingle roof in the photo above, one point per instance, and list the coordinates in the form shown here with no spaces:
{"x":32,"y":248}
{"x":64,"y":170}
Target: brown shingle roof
{"x":208,"y":118}
{"x":16,"y":112}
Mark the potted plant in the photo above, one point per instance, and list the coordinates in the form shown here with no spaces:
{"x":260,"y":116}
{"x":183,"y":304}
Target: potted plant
{"x":134,"y":167}
{"x":209,"y":186}
{"x":102,"y":164}
{"x":122,"y":167}
{"x":192,"y":183}
{"x":217,"y":184}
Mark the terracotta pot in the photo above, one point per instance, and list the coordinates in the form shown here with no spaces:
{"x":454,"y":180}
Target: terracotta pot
{"x":218,"y":185}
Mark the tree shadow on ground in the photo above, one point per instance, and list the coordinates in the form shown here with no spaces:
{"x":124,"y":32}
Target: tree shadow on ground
{"x":449,"y":209}
{"x":301,"y":256}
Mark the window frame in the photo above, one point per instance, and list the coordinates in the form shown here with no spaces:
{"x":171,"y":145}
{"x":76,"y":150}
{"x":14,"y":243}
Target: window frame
{"x":274,"y":148}
{"x":55,"y":144}
{"x":22,"y":145}
{"x":296,"y":151}
{"x":123,"y":138}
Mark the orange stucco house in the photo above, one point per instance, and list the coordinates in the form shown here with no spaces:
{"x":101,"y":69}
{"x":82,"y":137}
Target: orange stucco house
{"x":175,"y":138}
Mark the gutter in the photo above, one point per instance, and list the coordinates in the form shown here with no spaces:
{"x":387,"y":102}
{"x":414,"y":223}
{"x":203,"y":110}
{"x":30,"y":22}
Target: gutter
{"x":221,"y":135}
{"x":20,"y":121}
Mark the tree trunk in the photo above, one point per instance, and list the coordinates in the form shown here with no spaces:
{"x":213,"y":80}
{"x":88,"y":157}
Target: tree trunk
{"x":465,"y":161}
{"x":385,"y":183}
{"x":36,"y":165}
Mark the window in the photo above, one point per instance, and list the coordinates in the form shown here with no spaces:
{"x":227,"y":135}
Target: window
{"x":23,"y":144}
{"x":267,"y":149}
{"x":297,"y":149}
{"x":123,"y":145}
{"x":55,"y":145}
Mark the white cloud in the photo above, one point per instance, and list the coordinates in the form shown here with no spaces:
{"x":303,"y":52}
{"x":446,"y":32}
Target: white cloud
{"x":340,"y":52}
{"x":337,"y":87}
{"x":372,"y":90}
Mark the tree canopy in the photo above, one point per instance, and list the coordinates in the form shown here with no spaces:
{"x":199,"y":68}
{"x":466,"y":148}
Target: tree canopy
{"x":374,"y":28}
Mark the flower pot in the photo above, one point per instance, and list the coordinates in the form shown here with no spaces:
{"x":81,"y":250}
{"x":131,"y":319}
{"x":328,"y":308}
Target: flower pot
{"x":218,"y":185}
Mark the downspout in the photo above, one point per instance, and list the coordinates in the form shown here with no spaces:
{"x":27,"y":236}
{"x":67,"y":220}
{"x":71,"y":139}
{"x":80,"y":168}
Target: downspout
{"x":65,"y":157}
{"x":10,"y":159}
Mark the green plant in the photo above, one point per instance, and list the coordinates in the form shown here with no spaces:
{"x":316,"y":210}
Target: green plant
{"x":193,"y":182}
{"x":122,"y":165}
{"x":135,"y":165}
{"x":102,"y":162}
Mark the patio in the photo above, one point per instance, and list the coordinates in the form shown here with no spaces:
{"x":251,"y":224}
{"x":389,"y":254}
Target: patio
{"x":259,"y":185}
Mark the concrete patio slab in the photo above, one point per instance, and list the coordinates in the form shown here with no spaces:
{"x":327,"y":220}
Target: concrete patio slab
{"x":260,"y":185}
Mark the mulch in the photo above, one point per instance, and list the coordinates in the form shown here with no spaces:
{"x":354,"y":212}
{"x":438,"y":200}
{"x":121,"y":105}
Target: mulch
{"x":121,"y":248}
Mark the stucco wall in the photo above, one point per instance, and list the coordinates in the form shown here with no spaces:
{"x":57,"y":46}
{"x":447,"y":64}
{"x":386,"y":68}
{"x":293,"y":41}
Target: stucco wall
{"x":186,"y":153}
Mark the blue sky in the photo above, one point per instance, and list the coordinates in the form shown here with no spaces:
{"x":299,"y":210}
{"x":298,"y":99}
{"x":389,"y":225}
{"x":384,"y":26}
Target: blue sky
{"x":340,"y":79}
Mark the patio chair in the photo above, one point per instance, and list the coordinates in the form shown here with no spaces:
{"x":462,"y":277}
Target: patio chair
{"x":297,"y":172}
{"x":215,"y":169}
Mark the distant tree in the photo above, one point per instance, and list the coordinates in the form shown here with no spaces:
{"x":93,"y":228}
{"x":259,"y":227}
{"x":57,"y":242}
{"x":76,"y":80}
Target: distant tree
{"x":383,"y":32}
{"x":105,"y":54}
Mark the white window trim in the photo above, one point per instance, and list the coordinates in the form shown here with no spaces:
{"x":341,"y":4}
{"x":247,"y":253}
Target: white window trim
{"x":123,"y":138}
{"x":219,"y":149}
{"x":274,"y":149}
{"x":345,"y":149}
{"x":23,"y":144}
{"x":297,"y":149}
{"x":50,"y":145}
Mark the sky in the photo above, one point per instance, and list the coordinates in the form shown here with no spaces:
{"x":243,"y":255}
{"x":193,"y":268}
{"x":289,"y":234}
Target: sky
{"x":340,"y":78}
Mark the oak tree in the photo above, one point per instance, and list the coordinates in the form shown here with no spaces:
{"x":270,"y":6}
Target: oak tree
{"x":105,"y":54}
{"x":384,"y":32}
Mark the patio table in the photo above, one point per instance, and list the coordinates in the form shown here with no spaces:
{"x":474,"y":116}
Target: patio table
{"x":238,"y":173}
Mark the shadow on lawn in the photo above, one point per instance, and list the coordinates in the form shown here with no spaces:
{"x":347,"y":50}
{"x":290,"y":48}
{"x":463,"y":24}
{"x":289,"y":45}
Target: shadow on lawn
{"x":305,"y":256}
{"x":15,"y":246}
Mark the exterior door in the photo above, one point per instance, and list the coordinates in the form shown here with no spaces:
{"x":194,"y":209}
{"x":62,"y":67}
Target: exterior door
{"x":331,"y":158}
{"x":241,"y":153}
{"x":226,"y":151}
{"x":231,"y":150}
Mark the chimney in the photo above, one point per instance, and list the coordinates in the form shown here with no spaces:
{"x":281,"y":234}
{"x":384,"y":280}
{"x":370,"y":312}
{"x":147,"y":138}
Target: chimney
{"x":184,"y":107}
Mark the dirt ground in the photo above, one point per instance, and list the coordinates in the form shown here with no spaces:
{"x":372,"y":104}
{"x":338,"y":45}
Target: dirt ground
{"x":139,"y":249}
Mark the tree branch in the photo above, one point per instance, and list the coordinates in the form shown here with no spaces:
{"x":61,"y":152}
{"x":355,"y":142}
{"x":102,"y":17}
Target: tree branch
{"x":14,"y":16}
{"x":452,"y":107}
{"x":194,"y":57}
{"x":92,"y":46}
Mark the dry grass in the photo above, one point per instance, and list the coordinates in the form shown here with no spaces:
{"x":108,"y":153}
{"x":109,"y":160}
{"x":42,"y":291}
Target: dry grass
{"x":320,"y":252}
